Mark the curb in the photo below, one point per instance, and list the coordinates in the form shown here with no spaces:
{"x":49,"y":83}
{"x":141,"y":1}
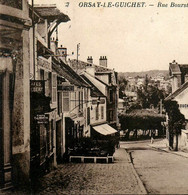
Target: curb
{"x":140,"y":183}
{"x":171,"y":152}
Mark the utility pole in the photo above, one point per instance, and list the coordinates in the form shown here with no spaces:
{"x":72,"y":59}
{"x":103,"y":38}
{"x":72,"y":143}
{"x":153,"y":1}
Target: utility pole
{"x":78,"y":48}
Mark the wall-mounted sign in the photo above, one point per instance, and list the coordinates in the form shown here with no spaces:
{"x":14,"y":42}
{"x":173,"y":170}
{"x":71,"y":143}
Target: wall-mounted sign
{"x":101,"y":101}
{"x":37,"y":86}
{"x":65,"y":88}
{"x":41,"y":119}
{"x":44,"y":63}
{"x":183,"y":105}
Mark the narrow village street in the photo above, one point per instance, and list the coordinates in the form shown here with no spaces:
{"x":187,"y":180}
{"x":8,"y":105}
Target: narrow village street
{"x":160,"y":172}
{"x":70,"y":91}
{"x":116,"y":178}
{"x":152,"y":171}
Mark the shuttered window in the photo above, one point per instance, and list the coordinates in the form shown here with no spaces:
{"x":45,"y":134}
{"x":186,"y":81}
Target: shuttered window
{"x":54,"y":87}
{"x":66,"y":101}
{"x":102,"y":112}
{"x":97,"y":113}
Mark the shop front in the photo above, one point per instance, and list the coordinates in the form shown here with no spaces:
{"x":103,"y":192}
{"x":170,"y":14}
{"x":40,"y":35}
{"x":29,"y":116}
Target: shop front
{"x":42,"y":130}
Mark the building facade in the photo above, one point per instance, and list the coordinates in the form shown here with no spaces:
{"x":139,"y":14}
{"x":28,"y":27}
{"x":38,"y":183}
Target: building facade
{"x":14,"y":93}
{"x":178,"y":75}
{"x":108,"y":78}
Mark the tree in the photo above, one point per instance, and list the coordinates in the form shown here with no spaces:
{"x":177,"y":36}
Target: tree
{"x":141,"y":119}
{"x":122,"y":85}
{"x":176,"y":121}
{"x":150,"y":95}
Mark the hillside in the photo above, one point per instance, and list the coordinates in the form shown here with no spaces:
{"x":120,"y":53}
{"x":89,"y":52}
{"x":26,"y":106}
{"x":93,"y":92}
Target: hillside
{"x":150,"y":73}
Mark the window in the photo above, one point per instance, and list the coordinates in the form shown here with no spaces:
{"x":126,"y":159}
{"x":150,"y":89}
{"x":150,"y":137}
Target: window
{"x":111,"y":113}
{"x":88,"y":116}
{"x":54,"y":87}
{"x":102,"y":112}
{"x":72,"y":100}
{"x":75,"y":103}
{"x":109,"y":78}
{"x":97,"y":113}
{"x":111,"y":95}
{"x":59,"y":96}
{"x":41,"y":74}
{"x":65,"y":101}
{"x":49,"y":83}
{"x":81,"y":101}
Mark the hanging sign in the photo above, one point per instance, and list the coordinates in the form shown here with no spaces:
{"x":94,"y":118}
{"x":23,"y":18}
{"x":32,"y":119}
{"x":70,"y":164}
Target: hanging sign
{"x":41,"y":119}
{"x":37,"y":86}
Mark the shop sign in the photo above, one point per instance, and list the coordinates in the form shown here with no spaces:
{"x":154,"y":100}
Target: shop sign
{"x":44,"y":63}
{"x":183,"y":105}
{"x":41,"y":119}
{"x":65,"y":88}
{"x":37,"y":86}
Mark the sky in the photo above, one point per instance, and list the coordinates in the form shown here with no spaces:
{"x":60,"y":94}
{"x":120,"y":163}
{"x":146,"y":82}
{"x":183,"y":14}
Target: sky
{"x":133,"y":39}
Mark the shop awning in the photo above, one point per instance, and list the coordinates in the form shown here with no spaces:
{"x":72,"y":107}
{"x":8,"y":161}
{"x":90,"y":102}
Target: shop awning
{"x":105,"y":129}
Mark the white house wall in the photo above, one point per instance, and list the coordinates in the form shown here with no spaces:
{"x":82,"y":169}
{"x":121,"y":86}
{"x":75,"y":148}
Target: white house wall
{"x":182,"y":100}
{"x":103,"y":78}
{"x":93,"y":120}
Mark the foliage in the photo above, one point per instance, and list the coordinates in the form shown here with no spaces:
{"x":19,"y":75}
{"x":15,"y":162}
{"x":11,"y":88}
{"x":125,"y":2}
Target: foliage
{"x":89,"y":146}
{"x":122,"y":85}
{"x":150,"y":95}
{"x":141,"y":119}
{"x":134,"y":106}
{"x":176,"y":121}
{"x":176,"y":118}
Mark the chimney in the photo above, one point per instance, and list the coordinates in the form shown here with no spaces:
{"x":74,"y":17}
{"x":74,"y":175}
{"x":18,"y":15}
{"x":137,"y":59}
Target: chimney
{"x":90,"y":59}
{"x":53,"y":45}
{"x":176,"y":75}
{"x":103,"y":61}
{"x":63,"y":53}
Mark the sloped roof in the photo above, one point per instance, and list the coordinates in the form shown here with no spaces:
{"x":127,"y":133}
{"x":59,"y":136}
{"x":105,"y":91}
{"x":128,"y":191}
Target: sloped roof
{"x":51,"y":12}
{"x":177,"y":92}
{"x":68,"y":73}
{"x":82,"y":65}
{"x":95,"y":92}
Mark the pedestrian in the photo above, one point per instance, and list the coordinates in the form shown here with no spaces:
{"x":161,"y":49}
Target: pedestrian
{"x":152,"y":140}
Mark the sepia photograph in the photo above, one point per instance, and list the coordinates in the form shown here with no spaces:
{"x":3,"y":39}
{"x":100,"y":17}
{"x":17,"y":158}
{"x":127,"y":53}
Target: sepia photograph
{"x":93,"y":97}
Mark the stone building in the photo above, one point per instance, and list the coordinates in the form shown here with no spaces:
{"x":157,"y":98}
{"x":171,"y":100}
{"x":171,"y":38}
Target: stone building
{"x":14,"y":93}
{"x":47,"y":136}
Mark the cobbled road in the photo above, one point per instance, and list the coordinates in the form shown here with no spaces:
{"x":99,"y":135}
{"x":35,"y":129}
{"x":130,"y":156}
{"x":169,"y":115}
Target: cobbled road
{"x":80,"y":178}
